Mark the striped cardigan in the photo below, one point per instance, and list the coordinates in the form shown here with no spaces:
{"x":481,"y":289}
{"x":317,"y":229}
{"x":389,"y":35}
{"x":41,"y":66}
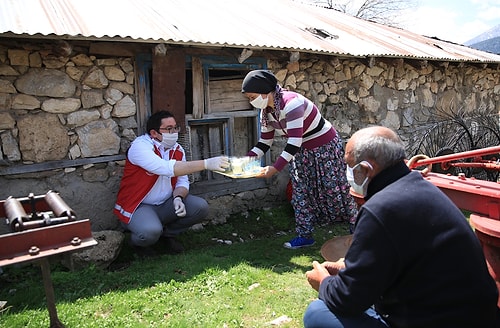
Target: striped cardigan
{"x":300,"y":121}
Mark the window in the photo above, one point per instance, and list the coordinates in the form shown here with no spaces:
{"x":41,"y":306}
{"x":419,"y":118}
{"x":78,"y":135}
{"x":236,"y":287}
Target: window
{"x":223,"y":122}
{"x":218,"y":118}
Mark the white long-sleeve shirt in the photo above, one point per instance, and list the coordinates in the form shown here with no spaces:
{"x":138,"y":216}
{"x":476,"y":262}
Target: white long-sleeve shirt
{"x":142,"y":153}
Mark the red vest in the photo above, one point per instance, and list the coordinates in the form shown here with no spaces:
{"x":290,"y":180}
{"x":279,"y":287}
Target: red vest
{"x":176,"y":154}
{"x":135,"y":185}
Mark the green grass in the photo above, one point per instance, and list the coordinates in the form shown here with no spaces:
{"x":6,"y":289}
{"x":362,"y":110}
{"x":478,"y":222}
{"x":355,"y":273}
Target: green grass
{"x":247,"y":283}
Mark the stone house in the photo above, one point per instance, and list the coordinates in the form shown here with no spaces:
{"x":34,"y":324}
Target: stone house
{"x":78,"y":80}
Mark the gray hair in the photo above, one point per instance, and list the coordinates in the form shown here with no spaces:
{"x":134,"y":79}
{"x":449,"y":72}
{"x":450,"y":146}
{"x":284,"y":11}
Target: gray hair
{"x":384,"y":149}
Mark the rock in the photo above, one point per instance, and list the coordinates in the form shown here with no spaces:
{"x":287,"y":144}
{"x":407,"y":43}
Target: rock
{"x":42,"y":138}
{"x":55,"y":84}
{"x":109,"y":244}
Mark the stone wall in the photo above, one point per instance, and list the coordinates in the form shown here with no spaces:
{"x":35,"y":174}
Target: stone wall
{"x":67,"y":108}
{"x":57,"y":107}
{"x":399,"y":94}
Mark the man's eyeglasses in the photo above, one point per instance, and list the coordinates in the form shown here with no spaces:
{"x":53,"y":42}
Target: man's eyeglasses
{"x":171,"y":129}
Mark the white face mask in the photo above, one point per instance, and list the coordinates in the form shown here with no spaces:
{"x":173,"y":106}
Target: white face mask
{"x":259,"y":102}
{"x":359,"y":189}
{"x":169,"y":139}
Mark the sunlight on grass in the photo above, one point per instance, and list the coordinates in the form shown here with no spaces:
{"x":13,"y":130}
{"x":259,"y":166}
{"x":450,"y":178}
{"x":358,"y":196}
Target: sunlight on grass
{"x":246,"y":284}
{"x":302,"y":260}
{"x":240,"y":296}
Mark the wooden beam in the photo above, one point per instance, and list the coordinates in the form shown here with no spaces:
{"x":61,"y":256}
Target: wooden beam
{"x":417,"y":64}
{"x":169,"y":83}
{"x":119,"y":49}
{"x":225,"y":186}
{"x":198,"y":89}
{"x":143,"y":92}
{"x":55,"y":165}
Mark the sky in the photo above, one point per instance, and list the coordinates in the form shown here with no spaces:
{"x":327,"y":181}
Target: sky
{"x":453,"y":20}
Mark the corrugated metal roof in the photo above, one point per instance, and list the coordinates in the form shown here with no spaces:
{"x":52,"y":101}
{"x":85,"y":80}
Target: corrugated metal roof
{"x":268,"y":24}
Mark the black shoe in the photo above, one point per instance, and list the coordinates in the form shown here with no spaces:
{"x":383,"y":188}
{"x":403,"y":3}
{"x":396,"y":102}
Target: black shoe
{"x":144,"y":252}
{"x":173,"y":245}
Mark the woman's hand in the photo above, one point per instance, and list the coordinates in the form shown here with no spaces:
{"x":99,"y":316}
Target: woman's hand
{"x":267,"y":172}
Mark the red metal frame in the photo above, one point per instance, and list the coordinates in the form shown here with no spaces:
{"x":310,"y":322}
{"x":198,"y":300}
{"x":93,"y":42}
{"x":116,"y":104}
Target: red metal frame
{"x":476,"y":154}
{"x":42,"y":238}
{"x":37,"y":243}
{"x":474,"y":195}
{"x":480,"y":197}
{"x":477,"y":196}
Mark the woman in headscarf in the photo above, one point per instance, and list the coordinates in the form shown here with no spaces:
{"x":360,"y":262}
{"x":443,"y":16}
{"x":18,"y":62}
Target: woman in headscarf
{"x":314,"y":152}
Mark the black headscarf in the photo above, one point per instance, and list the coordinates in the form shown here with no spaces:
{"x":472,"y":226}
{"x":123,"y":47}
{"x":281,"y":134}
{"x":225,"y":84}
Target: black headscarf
{"x":259,"y":81}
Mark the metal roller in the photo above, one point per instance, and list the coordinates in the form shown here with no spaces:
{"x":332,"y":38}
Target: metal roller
{"x":58,"y":206}
{"x":15,"y":213}
{"x":14,"y":209}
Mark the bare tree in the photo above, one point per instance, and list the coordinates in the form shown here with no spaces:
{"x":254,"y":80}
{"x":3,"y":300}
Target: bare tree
{"x":387,"y":12}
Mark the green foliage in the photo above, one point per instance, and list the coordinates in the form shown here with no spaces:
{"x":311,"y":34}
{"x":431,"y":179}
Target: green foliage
{"x":246,"y":283}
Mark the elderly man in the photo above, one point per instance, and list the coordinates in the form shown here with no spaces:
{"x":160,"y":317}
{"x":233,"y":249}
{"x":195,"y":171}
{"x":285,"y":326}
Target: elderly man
{"x":414,"y":260}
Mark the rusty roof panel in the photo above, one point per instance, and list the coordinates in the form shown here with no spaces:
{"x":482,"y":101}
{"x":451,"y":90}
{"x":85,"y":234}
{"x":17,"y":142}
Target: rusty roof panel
{"x":268,"y":24}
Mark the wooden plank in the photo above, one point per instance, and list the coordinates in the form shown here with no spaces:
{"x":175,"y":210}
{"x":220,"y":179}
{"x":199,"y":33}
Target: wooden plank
{"x":225,"y":96}
{"x":53,"y":165}
{"x":216,"y":139}
{"x":169,"y":83}
{"x":242,"y":113}
{"x":229,"y":139}
{"x":117,"y":49}
{"x":243,"y":137}
{"x":225,"y":186}
{"x":143,"y":94}
{"x":198,"y":98}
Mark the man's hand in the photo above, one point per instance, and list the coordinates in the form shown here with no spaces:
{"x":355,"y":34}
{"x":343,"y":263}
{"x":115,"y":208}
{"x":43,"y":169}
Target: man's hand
{"x":179,"y":207}
{"x":333,"y":268}
{"x":316,"y":275}
{"x":219,"y":163}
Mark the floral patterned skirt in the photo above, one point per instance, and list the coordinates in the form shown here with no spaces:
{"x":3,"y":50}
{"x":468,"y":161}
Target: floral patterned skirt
{"x":320,"y":189}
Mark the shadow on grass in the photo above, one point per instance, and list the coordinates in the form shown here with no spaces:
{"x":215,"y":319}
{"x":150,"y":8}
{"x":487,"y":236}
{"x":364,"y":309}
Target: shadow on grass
{"x":256,"y":239}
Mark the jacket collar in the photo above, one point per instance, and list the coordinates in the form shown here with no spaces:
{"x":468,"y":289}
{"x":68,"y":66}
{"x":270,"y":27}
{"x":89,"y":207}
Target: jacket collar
{"x":386,"y":177}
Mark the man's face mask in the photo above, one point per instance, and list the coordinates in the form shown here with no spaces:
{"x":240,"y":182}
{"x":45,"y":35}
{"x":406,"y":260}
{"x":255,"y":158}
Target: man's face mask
{"x":169,"y":139}
{"x":259,"y":102}
{"x":358,"y":188}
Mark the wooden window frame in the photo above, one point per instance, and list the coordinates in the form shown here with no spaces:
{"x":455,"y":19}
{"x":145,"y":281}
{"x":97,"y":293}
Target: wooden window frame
{"x":211,"y":184}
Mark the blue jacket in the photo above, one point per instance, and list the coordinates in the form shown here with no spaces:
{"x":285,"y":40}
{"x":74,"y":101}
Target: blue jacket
{"x":415,"y":257}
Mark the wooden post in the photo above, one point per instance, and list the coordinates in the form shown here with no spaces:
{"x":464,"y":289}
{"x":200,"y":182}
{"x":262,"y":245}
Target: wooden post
{"x":198,"y":95}
{"x":169,"y":83}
